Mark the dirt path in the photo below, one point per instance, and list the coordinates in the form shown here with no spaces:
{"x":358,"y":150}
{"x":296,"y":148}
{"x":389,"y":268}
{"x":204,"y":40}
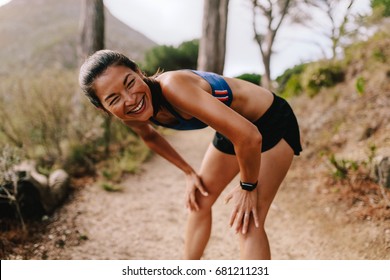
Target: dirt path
{"x":147,"y":219}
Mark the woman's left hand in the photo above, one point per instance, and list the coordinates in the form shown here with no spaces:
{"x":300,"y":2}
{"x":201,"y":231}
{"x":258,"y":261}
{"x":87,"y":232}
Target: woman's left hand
{"x":245,"y":204}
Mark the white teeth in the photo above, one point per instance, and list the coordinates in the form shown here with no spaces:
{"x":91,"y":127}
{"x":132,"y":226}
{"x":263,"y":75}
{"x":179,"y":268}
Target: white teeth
{"x":136,"y":109}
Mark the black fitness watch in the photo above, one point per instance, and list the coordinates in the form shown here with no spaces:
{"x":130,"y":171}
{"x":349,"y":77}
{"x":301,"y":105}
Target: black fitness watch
{"x":248,"y":186}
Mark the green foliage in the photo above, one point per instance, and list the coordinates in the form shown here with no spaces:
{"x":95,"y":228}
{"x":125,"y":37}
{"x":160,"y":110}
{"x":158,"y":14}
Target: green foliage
{"x":250,"y":77}
{"x":321,"y":74}
{"x":372,"y":150}
{"x":341,"y":167}
{"x":170,"y":58}
{"x":372,"y":54}
{"x":384,"y":5}
{"x":345,"y":169}
{"x":126,"y":161}
{"x":80,"y":160}
{"x":293,"y":87}
{"x":379,"y":55}
{"x":360,"y":85}
{"x":41,"y":114}
{"x":289,"y":83}
{"x":111,"y":188}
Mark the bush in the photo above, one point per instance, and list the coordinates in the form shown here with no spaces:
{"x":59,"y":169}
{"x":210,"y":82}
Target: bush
{"x":341,"y":167}
{"x":170,"y":58}
{"x":42,"y":121}
{"x":360,"y":85}
{"x":293,"y":87}
{"x":289,"y":83}
{"x":321,"y":74}
{"x":38,"y":109}
{"x":125,"y":161}
{"x":250,"y":77}
{"x":384,"y":5}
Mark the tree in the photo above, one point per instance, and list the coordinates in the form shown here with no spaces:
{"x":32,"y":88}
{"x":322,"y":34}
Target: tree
{"x":92,"y":40}
{"x":91,"y":27}
{"x":336,"y":30}
{"x":170,"y":58}
{"x":275,"y":13}
{"x":213,"y":42}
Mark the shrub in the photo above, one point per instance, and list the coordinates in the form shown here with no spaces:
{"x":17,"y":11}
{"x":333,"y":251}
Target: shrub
{"x":293,"y":86}
{"x":289,"y":83}
{"x":126,"y":161}
{"x":345,"y":169}
{"x":342,"y":167}
{"x":383,"y":5}
{"x":250,"y":77}
{"x":38,"y":109}
{"x":170,"y":58}
{"x":360,"y":85}
{"x":321,"y":74}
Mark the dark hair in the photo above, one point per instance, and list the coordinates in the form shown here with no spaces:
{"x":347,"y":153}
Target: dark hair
{"x":97,"y":64}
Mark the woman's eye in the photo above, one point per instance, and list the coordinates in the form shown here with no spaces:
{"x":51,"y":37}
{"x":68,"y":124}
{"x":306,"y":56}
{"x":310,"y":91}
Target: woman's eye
{"x":114,"y":100}
{"x":131,"y":83}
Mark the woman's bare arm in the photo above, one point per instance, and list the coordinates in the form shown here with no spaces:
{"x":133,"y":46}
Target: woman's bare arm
{"x":157,"y":143}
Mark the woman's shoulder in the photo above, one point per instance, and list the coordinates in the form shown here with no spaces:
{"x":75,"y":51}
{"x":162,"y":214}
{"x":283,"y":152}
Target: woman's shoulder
{"x":178,"y":80}
{"x":173,"y":76}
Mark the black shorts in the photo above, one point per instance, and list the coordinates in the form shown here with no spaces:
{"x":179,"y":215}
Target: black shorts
{"x":278,"y":122}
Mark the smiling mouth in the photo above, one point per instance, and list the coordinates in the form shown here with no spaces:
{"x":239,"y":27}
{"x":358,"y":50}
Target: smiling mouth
{"x":138,"y":108}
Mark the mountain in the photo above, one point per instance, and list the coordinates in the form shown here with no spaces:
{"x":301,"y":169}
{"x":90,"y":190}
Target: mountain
{"x":35,"y":34}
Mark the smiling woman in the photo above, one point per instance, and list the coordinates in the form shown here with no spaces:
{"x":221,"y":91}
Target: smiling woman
{"x":257,"y":135}
{"x":114,"y":87}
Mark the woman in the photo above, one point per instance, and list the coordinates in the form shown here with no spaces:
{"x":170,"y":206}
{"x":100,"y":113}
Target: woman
{"x":257,"y":136}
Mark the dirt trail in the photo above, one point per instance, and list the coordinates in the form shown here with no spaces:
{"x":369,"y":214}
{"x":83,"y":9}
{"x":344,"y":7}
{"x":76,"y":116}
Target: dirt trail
{"x":147,"y":219}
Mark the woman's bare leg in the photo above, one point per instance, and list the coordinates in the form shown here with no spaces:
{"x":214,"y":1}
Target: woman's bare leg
{"x":274,"y":166}
{"x":217,"y":170}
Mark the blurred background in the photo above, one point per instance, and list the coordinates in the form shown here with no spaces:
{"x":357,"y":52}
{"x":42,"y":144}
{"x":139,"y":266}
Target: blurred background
{"x":329,"y":58}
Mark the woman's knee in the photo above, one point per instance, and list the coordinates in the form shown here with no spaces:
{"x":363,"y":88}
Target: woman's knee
{"x":254,"y":234}
{"x":205,"y":203}
{"x":214,"y":187}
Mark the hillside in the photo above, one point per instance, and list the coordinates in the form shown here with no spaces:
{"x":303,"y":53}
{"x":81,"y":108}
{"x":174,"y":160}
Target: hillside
{"x":40,"y":33}
{"x":346,"y":120}
{"x":344,"y":130}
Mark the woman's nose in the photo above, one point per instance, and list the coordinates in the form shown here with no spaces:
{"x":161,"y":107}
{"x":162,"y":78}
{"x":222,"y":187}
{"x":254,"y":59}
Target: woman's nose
{"x":130,"y":99}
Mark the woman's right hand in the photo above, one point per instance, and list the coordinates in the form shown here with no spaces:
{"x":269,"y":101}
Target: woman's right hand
{"x":194,"y":183}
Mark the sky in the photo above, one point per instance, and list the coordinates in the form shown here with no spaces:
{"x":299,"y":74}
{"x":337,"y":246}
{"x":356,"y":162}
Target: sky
{"x":172,"y":22}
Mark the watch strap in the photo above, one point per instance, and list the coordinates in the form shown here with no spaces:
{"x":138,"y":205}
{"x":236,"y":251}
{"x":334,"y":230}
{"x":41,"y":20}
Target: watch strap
{"x":248,"y":186}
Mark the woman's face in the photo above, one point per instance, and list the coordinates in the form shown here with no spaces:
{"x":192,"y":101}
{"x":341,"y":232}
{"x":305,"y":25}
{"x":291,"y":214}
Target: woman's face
{"x":124,"y":94}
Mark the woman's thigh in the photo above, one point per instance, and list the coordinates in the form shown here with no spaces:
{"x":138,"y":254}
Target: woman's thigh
{"x":274,"y":166}
{"x":217,"y":171}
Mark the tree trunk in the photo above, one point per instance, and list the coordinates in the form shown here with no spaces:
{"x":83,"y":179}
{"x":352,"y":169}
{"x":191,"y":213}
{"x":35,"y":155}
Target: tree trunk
{"x":91,"y":27}
{"x":266,"y":39}
{"x":266,"y":81}
{"x":213,"y":42}
{"x":92,"y":40}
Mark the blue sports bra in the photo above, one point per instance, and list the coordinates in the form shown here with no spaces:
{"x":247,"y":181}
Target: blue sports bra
{"x":220,"y":90}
